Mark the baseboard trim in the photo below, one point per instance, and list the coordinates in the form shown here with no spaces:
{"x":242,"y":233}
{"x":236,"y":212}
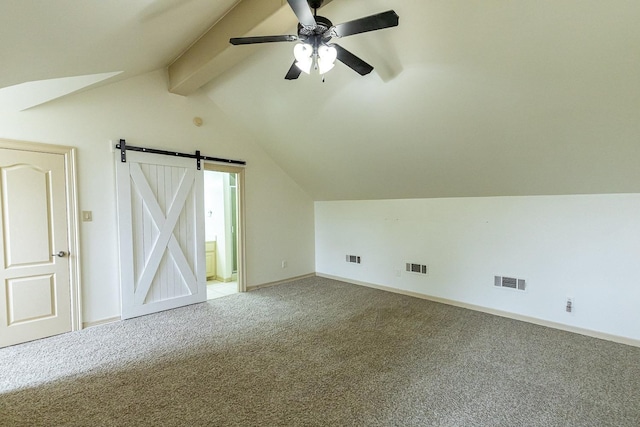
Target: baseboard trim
{"x":514,"y":316}
{"x":100,"y":322}
{"x":280,"y":282}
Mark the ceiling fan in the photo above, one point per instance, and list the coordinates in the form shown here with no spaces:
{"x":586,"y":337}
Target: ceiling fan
{"x":314,"y":34}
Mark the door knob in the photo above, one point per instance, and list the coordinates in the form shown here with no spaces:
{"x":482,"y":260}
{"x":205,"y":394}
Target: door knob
{"x":60,"y":254}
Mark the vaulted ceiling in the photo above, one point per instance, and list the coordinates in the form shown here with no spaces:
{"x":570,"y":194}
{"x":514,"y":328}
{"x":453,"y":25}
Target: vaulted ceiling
{"x":467,"y":98}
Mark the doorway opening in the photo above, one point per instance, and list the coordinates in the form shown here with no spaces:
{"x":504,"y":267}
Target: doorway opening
{"x":223,"y":230}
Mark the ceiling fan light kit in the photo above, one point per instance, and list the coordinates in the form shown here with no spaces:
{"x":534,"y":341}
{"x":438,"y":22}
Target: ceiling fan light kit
{"x":324,"y":57}
{"x":327,"y":56}
{"x":314,"y":34}
{"x":303,"y":53}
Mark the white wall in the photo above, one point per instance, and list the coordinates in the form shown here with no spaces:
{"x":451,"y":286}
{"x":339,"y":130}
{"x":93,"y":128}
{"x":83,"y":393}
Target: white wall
{"x":143,"y":112}
{"x":587,"y":247}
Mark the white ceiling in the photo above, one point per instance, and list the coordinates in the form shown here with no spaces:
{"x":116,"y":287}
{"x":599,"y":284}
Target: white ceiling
{"x":468,"y":98}
{"x":41,"y":40}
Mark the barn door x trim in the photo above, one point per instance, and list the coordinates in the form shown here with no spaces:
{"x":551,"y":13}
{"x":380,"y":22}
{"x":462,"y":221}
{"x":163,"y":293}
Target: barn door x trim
{"x":166,"y":238}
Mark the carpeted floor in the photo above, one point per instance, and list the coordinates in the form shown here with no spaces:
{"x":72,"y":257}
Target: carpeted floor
{"x":319,"y":352}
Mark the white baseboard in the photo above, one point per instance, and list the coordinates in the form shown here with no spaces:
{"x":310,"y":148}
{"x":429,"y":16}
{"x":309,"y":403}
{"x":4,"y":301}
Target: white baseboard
{"x":100,"y":322}
{"x":534,"y":320}
{"x":280,"y":282}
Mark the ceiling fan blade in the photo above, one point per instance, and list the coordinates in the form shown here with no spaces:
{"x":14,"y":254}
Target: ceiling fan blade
{"x":303,"y":12}
{"x":294,"y":72}
{"x":369,"y":23}
{"x":352,"y":61}
{"x":262,"y":39}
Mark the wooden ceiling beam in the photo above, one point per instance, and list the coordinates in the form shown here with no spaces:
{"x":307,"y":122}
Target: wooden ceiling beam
{"x":212,"y":54}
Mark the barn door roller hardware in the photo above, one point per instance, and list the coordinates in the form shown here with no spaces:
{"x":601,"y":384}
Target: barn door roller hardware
{"x":123,"y":147}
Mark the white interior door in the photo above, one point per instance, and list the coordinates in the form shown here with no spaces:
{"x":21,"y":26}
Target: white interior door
{"x":161,"y":233}
{"x":35,"y":294}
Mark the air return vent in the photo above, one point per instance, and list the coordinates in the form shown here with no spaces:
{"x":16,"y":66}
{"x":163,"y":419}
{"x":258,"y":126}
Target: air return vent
{"x":417,"y":268}
{"x":510,"y":282}
{"x":355,"y":259}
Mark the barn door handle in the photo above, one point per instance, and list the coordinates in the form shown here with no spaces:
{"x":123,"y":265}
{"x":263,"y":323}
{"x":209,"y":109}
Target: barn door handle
{"x":61,"y":254}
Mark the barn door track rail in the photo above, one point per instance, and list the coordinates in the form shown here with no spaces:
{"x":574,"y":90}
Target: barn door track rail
{"x":123,"y":147}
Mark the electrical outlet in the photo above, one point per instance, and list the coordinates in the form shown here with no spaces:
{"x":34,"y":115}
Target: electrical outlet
{"x":570,"y":305}
{"x":284,"y":264}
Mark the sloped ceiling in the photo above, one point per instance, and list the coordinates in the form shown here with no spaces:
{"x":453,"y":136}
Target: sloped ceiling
{"x":42,"y":41}
{"x":468,"y":98}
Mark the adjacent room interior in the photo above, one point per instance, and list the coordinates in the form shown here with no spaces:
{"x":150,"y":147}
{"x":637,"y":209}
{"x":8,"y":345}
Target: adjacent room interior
{"x":427,"y":204}
{"x":221,"y":233}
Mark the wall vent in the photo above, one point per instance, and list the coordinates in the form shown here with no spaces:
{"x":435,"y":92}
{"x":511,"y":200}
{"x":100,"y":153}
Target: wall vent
{"x":510,"y":282}
{"x":355,"y":259}
{"x":417,"y":268}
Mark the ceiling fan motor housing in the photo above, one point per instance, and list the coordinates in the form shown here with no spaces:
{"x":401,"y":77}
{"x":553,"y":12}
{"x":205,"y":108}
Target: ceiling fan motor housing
{"x":318,"y":35}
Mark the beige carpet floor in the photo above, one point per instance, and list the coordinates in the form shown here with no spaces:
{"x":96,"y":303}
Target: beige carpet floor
{"x":319,"y":352}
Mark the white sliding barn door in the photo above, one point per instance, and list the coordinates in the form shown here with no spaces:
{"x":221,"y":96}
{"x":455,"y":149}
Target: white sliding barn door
{"x":161,"y":233}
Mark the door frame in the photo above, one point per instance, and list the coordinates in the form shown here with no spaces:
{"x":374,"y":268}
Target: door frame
{"x":71,"y":185}
{"x":239,"y":171}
